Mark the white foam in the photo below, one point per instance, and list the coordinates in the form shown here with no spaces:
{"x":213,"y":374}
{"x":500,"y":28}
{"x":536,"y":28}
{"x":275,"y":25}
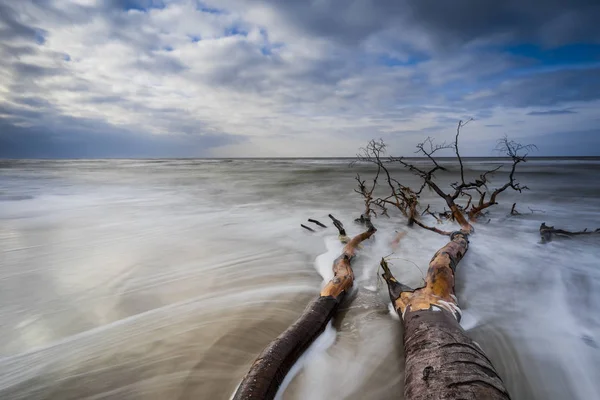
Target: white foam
{"x":324,"y":261}
{"x":468,"y":320}
{"x":321,"y":344}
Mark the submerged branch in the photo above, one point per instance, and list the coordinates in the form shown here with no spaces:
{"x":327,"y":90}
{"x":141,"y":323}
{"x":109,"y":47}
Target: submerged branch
{"x":270,"y":368}
{"x":547,"y":233}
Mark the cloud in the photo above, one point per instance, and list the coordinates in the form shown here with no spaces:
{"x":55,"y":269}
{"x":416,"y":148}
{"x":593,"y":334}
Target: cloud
{"x":274,"y":78}
{"x":437,"y":24}
{"x":92,"y":139}
{"x":569,"y":143}
{"x":551,"y":112}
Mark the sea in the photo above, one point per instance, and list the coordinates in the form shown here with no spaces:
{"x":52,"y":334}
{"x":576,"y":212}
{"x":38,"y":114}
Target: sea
{"x":164,"y":279}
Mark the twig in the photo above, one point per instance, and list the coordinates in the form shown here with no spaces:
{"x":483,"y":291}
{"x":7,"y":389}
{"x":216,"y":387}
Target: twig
{"x":314,"y":221}
{"x":308,"y":228}
{"x":338,"y":225}
{"x":513,"y":210}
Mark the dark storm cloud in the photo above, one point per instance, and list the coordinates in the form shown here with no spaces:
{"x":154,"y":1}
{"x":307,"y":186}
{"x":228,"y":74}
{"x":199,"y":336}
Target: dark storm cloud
{"x":12,"y":27}
{"x":544,"y":89}
{"x":139,"y":5}
{"x":33,"y":71}
{"x":31,"y":101}
{"x":554,"y":22}
{"x":567,"y":143}
{"x":80,"y":138}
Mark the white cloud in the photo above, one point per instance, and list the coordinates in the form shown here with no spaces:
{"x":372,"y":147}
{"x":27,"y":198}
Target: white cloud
{"x":248,"y":72}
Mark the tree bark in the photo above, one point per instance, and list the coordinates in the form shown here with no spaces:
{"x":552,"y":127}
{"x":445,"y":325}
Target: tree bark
{"x":273,"y":364}
{"x":442,"y":362}
{"x":547,"y":233}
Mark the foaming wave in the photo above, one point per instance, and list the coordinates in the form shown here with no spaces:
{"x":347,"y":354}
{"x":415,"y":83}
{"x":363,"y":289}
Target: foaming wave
{"x":324,"y":341}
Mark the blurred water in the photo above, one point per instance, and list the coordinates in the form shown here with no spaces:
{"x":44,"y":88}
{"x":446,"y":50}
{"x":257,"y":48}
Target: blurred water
{"x":124,"y":279}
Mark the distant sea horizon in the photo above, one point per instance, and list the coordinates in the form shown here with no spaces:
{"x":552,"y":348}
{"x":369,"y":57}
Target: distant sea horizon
{"x":350,"y":158}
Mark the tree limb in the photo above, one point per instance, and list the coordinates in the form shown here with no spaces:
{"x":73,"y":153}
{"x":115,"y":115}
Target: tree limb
{"x":547,"y":233}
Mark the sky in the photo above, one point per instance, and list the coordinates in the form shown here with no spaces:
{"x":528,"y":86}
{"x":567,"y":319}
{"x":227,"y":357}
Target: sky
{"x":295,"y":78}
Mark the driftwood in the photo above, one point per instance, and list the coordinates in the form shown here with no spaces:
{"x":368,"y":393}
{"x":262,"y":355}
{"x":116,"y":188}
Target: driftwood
{"x":442,"y":362}
{"x":406,"y":200}
{"x":273,"y":364}
{"x":308,"y":228}
{"x":314,"y":221}
{"x":547,"y":233}
{"x":513,"y":210}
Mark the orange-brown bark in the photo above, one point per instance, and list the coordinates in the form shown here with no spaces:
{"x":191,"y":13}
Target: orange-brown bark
{"x":343,"y":276}
{"x":442,"y":362}
{"x":439,"y":283}
{"x":270,"y":368}
{"x":459,"y":217}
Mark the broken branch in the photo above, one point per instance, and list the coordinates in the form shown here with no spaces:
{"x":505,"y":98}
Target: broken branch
{"x":270,"y":368}
{"x":547,"y":233}
{"x":314,"y":221}
{"x":441,"y":360}
{"x":308,"y":228}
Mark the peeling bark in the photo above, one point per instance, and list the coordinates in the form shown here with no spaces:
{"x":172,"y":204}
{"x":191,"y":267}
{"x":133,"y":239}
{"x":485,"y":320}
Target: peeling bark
{"x":442,"y":362}
{"x":273,"y":364}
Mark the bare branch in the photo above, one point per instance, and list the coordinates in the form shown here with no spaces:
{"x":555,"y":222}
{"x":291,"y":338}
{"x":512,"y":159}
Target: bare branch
{"x":429,"y":212}
{"x":513,"y":210}
{"x":406,"y":200}
{"x":314,"y":221}
{"x":422,"y":148}
{"x":548,"y":232}
{"x":518,"y":153}
{"x":534,"y":210}
{"x":462,"y":169}
{"x":338,"y":224}
{"x":308,"y":228}
{"x":432,"y":228}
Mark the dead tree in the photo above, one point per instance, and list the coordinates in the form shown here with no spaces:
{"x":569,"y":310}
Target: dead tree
{"x":547,"y":233}
{"x":442,"y":362}
{"x":406,"y":200}
{"x":273,"y":364}
{"x":400,"y":197}
{"x":518,"y":153}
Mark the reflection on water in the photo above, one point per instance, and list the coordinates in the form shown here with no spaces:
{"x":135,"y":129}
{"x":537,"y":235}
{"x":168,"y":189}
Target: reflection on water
{"x":164,"y":279}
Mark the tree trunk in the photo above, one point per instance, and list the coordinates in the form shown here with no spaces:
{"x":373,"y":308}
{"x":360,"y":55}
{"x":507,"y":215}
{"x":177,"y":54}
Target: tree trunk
{"x":273,"y":364}
{"x":442,"y":362}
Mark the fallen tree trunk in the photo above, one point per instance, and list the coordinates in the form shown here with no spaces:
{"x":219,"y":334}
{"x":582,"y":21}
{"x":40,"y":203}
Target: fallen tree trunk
{"x":273,"y":364}
{"x":547,"y":233}
{"x":442,"y":362}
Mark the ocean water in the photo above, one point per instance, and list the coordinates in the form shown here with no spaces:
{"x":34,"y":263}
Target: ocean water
{"x":155,"y":279}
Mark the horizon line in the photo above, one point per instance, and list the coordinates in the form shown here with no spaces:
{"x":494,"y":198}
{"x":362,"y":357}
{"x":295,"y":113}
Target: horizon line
{"x":285,"y":158}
